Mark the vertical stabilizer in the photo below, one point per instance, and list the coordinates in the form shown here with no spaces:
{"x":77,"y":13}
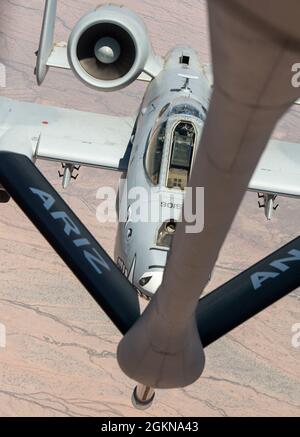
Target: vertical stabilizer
{"x":46,"y":40}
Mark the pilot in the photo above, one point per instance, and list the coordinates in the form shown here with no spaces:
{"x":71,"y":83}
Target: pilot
{"x":184,"y":130}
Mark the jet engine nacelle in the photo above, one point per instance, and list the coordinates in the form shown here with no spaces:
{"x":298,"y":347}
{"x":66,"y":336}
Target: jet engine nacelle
{"x":109,"y":48}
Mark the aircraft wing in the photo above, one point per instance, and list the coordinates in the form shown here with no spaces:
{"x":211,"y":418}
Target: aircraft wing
{"x":67,"y":136}
{"x":278,"y":171}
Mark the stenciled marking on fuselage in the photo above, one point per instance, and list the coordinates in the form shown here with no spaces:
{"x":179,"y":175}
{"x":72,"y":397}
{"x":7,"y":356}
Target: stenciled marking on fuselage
{"x":171,"y":205}
{"x":280,"y":265}
{"x":129,"y":274}
{"x":92,"y":256}
{"x":122,"y":266}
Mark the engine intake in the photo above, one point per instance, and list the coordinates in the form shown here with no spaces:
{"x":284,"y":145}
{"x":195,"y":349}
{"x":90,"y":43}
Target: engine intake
{"x":109,"y":48}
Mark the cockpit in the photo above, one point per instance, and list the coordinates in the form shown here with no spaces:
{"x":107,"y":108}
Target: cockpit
{"x":182,"y":151}
{"x":172,"y":144}
{"x":155,"y":153}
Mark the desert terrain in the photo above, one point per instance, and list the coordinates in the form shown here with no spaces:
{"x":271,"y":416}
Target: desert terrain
{"x":60,"y":356}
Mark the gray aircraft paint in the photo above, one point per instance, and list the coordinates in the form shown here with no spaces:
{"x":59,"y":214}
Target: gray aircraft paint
{"x":179,"y":77}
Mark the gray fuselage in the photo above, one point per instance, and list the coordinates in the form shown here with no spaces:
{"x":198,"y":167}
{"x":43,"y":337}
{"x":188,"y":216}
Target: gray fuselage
{"x":164,"y":144}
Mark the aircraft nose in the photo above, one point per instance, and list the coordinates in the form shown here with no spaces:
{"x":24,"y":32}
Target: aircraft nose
{"x":150,"y":282}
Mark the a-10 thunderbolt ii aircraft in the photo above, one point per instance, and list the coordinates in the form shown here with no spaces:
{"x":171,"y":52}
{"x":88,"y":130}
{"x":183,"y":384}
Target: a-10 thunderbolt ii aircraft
{"x":108,"y":49}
